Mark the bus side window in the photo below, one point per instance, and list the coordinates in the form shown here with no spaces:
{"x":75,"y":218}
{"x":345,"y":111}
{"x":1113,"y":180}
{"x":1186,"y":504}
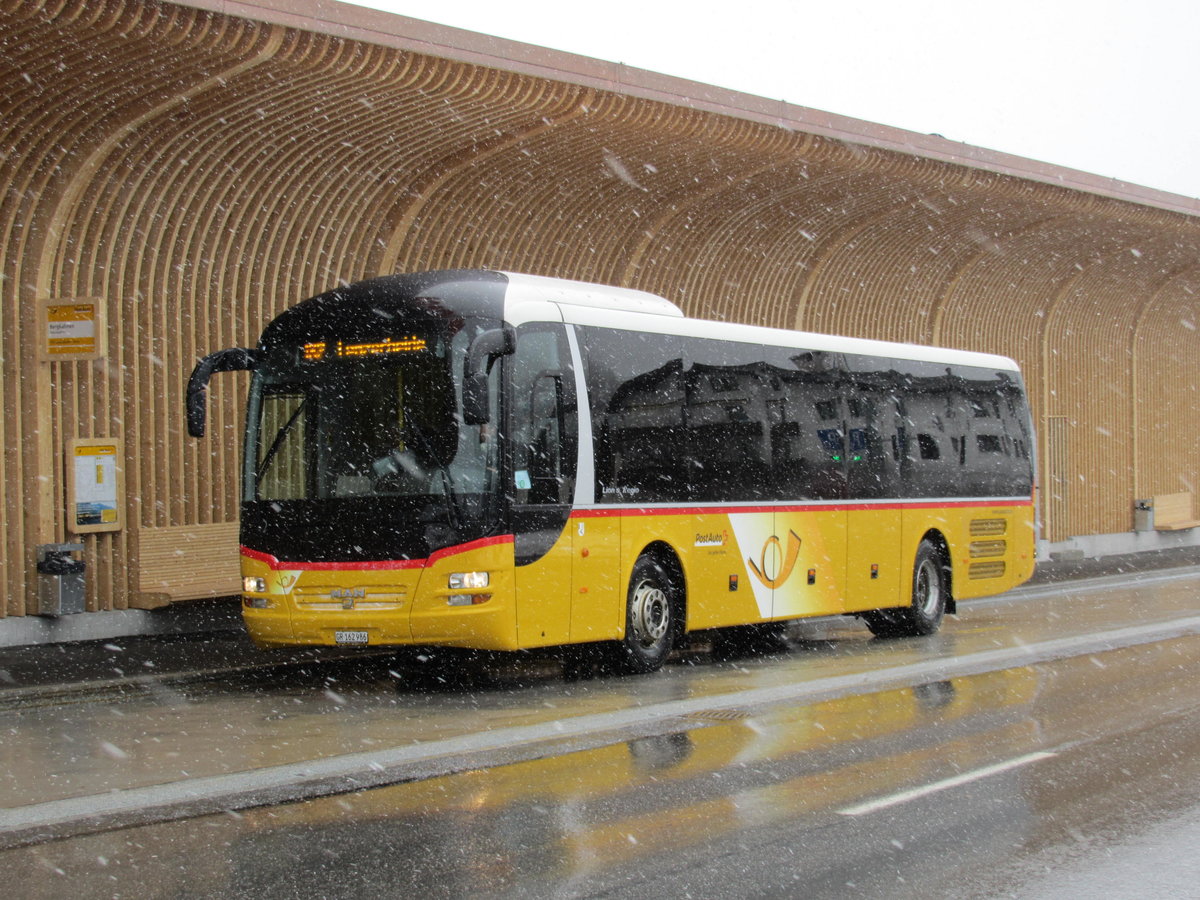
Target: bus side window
{"x":541,"y":418}
{"x":545,"y":440}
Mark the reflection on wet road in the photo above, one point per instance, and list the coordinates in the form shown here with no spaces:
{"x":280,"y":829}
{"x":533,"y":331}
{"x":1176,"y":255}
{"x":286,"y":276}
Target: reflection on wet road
{"x":970,"y":772}
{"x":84,"y":749}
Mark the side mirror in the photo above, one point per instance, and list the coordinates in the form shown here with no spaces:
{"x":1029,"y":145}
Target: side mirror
{"x":475,"y":400}
{"x":235,"y":359}
{"x":487,"y":347}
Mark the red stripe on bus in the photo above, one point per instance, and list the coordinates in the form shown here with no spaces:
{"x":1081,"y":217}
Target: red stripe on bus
{"x":599,"y":513}
{"x":378,"y":565}
{"x":472,"y":545}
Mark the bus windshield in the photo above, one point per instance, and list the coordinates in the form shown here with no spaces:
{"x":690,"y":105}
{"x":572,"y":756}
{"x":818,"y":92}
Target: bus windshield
{"x":349,"y":426}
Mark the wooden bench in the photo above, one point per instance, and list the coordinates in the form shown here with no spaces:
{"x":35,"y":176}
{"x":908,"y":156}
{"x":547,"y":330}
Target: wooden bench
{"x":1173,"y":512}
{"x":187,"y":563}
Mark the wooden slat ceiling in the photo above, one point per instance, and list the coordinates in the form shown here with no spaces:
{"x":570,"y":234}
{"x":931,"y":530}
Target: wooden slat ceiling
{"x":201,"y":171}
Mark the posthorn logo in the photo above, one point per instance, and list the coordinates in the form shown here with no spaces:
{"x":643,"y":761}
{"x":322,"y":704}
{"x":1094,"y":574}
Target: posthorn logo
{"x":775,"y":563}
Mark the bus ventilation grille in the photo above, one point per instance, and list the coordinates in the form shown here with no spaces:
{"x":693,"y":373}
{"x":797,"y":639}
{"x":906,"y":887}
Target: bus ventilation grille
{"x":988,"y":548}
{"x":988,"y":527}
{"x":994,"y":569}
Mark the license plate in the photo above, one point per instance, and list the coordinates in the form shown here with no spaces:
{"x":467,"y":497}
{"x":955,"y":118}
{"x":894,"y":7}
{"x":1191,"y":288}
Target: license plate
{"x":350,"y":637}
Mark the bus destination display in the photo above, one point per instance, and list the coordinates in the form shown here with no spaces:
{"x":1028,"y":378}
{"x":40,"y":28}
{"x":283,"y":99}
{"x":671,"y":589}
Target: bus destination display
{"x":318,"y":351}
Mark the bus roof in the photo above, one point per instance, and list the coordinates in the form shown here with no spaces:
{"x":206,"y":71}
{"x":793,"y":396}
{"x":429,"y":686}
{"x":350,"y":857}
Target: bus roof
{"x":518,"y":297}
{"x":581,"y":303}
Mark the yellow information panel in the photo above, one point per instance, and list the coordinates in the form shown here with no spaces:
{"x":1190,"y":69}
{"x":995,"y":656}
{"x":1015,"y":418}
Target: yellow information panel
{"x":72,"y":329}
{"x":95,"y":485}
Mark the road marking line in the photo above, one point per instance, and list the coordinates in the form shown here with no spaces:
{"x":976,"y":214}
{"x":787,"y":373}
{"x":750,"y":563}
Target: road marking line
{"x":896,"y":799}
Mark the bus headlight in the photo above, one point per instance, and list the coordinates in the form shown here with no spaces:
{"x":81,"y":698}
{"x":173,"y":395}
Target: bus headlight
{"x":468,"y":581}
{"x":252,"y":584}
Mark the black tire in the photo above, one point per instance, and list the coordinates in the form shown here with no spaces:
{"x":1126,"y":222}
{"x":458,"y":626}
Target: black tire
{"x":930,"y":590}
{"x":652,"y":619}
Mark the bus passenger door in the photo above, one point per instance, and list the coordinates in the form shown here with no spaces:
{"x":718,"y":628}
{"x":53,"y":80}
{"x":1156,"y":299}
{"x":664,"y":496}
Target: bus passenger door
{"x":542,"y":436}
{"x":597,"y":591}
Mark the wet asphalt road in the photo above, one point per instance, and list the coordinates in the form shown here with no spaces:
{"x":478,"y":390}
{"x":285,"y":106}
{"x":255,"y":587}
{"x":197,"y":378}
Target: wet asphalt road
{"x":978,"y":762}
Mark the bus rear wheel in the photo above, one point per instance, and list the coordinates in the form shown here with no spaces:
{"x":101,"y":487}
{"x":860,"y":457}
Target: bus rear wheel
{"x":930,"y":591}
{"x":652,"y":618}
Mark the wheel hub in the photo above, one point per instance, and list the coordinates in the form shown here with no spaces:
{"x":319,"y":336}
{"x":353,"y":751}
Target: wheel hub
{"x":651,"y":614}
{"x":928,"y":587}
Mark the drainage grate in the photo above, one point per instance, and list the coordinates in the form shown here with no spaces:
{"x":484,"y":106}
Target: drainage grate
{"x":720,"y":715}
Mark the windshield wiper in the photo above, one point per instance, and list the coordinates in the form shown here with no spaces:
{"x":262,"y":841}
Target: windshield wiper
{"x":262,"y":467}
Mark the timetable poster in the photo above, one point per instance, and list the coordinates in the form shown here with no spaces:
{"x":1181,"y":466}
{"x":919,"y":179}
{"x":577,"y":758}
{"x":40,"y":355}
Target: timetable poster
{"x":96,"y":486}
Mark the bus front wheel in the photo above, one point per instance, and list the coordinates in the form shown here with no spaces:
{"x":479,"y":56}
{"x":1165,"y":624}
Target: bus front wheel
{"x":930,"y":590}
{"x":651,"y":618}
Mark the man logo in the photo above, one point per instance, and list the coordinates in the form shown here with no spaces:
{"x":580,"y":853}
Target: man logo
{"x":773,"y":550}
{"x":348,"y":596}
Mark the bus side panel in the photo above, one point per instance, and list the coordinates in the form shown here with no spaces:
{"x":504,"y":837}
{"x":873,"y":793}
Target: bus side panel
{"x":877,"y":572}
{"x":597,"y":588}
{"x":916,"y":523}
{"x":991,"y":549}
{"x":805,"y":558}
{"x":543,"y":592}
{"x":639,"y":530}
{"x":1024,"y":543}
{"x":720,"y":587}
{"x":575,"y":592}
{"x":995,"y":550}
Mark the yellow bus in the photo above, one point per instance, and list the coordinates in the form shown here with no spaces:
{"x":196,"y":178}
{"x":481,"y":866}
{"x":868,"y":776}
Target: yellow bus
{"x":504,"y":461}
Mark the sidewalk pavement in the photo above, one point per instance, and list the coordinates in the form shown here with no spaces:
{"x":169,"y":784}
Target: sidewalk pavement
{"x":48,"y":673}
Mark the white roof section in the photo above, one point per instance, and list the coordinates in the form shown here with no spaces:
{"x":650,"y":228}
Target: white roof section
{"x":538,"y":298}
{"x":775,"y":337}
{"x":526,"y":288}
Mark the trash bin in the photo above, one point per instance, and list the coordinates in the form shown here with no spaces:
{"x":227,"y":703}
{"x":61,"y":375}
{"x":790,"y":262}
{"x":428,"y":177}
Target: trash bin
{"x":61,"y":580}
{"x":1143,"y":515}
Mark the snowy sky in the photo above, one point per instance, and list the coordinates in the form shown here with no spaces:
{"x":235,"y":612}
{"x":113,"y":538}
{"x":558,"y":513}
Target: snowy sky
{"x":1104,"y":86}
